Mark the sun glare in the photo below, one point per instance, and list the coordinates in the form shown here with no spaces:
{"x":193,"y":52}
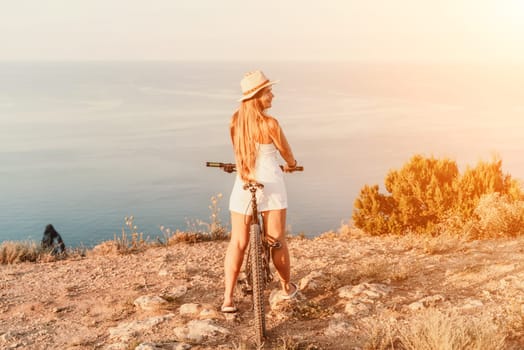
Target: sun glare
{"x":511,"y":14}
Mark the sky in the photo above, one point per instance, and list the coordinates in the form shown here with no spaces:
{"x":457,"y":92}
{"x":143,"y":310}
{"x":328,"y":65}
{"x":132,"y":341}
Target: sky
{"x":208,"y":30}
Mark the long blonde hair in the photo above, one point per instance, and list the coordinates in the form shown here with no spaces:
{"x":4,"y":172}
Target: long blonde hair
{"x":248,"y":126}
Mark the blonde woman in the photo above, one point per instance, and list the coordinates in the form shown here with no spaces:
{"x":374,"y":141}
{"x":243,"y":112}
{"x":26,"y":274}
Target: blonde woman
{"x":257,"y":140}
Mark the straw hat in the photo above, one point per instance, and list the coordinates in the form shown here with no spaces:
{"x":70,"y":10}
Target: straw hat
{"x":252,"y":83}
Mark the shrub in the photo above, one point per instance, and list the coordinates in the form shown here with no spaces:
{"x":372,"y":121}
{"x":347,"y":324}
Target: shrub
{"x":427,"y":194}
{"x":498,"y":215}
{"x":485,"y":178}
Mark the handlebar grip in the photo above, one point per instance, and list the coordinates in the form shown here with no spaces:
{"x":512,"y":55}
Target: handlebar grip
{"x":214,"y":164}
{"x":297,"y":168}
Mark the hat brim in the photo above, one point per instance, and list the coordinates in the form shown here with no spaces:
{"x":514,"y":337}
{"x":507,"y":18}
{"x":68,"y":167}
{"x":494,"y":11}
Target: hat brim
{"x":251,"y":94}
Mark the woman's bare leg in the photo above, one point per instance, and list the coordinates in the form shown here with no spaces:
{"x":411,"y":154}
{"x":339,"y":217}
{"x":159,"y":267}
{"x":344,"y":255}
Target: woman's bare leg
{"x":235,"y":254}
{"x":275,"y":229}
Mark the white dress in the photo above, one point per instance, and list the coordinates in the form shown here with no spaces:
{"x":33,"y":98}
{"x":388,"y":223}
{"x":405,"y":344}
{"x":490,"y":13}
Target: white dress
{"x":267,"y":172}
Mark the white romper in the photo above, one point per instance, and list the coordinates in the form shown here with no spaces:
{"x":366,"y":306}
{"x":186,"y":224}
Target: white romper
{"x":267,"y":172}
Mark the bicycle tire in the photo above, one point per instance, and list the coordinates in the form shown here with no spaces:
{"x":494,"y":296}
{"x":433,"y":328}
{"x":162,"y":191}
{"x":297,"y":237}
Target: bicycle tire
{"x":257,"y":273}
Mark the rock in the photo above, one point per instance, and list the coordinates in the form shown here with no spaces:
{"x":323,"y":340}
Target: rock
{"x":190,"y":309}
{"x":177,"y":292}
{"x":127,"y":330}
{"x":346,"y":292}
{"x":313,"y":281}
{"x":433,"y":300}
{"x":361,"y":295}
{"x":199,"y":330}
{"x":150,"y":303}
{"x":370,"y":290}
{"x":417,"y":305}
{"x":57,"y":310}
{"x":356,"y":308}
{"x":166,"y":346}
{"x":472,"y":303}
{"x":148,"y":346}
{"x":205,"y":311}
{"x":337,"y":327}
{"x":193,"y":269}
{"x":428,"y":301}
{"x":116,"y":346}
{"x":209,"y":312}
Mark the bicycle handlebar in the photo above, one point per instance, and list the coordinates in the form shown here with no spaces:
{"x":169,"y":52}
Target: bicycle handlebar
{"x":231,"y":167}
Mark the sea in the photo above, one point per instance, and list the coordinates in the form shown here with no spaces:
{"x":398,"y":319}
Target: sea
{"x":83,"y":145}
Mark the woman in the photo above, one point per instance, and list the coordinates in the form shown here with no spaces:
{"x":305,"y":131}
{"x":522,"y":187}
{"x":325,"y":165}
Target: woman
{"x":257,"y":138}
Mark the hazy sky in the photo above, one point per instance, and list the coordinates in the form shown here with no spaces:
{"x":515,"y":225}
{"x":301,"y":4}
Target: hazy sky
{"x":378,"y":30}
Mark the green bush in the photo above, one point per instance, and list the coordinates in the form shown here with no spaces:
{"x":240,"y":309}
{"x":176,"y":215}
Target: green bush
{"x":426,"y":192}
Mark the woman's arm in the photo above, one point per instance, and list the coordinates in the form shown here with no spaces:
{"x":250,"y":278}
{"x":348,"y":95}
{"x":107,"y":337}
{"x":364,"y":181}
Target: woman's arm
{"x":280,"y":141}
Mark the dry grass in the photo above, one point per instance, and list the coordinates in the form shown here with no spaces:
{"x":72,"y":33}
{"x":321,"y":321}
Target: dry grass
{"x":498,"y":216}
{"x":513,"y":321}
{"x":293,"y":343}
{"x":198,"y":230}
{"x":445,"y":242}
{"x":132,"y":244}
{"x":435,"y":330}
{"x":380,"y":335}
{"x":16,"y":252}
{"x":379,"y":269}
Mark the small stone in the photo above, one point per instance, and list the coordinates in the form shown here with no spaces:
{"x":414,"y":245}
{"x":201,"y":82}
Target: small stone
{"x":148,"y":346}
{"x":189,"y":309}
{"x":372,"y":294}
{"x":209,"y":312}
{"x":433,"y":300}
{"x":472,"y":304}
{"x":177,"y":292}
{"x":417,"y":305}
{"x":354,"y":309}
{"x":117,"y":346}
{"x":346,"y":292}
{"x":150,"y":303}
{"x":163,"y":346}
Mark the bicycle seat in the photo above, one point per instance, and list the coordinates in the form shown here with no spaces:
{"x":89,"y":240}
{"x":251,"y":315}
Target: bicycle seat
{"x":253,"y":186}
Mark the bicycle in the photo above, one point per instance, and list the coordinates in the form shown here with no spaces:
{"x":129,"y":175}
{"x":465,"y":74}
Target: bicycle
{"x":259,"y":252}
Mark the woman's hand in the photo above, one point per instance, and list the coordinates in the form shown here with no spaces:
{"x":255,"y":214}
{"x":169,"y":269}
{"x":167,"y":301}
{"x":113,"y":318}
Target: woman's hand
{"x":290,"y":169}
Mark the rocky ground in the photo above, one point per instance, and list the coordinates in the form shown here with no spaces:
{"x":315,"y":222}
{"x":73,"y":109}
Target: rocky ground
{"x":352,"y":287}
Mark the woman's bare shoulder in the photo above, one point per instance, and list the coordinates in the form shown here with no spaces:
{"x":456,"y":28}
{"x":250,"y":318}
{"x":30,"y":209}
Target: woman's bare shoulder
{"x":272,"y":122}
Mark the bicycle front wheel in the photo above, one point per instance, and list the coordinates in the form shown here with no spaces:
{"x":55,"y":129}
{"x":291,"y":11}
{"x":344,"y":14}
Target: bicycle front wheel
{"x":257,"y":274}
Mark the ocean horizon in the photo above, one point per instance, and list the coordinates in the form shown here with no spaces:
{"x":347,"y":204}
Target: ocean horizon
{"x":85,"y":144}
